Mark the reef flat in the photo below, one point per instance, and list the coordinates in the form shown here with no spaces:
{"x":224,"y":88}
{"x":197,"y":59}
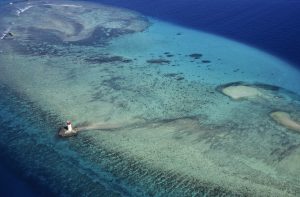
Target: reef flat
{"x":156,"y":119}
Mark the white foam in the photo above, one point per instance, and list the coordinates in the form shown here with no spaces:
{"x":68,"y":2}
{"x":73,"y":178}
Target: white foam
{"x":5,"y":33}
{"x":64,"y":5}
{"x":21,"y":10}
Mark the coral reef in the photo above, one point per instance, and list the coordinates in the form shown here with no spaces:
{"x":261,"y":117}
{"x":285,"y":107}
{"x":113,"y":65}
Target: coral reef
{"x":70,"y":21}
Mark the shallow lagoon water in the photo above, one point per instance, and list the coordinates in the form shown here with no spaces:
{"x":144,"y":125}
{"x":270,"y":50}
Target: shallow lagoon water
{"x":155,"y":122}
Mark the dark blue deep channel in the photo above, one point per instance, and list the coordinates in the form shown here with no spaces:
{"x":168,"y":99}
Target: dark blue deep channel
{"x":15,"y":122}
{"x":273,"y":26}
{"x":35,"y":162}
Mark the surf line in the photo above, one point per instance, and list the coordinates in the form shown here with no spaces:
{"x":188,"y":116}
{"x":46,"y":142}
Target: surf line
{"x":21,"y":10}
{"x":63,"y":5}
{"x":6,"y":33}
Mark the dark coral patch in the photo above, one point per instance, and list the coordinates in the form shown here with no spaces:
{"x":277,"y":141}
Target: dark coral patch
{"x":107,"y":59}
{"x":174,"y":76}
{"x":169,"y":55}
{"x":179,"y":78}
{"x":171,"y":74}
{"x":206,"y":61}
{"x":35,"y":48}
{"x":196,"y":55}
{"x":158,"y":61}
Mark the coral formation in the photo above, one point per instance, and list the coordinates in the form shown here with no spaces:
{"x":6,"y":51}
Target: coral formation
{"x":70,"y":21}
{"x":158,"y":61}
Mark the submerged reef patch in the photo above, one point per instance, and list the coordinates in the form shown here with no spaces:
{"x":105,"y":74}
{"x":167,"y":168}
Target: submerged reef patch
{"x":196,"y":55}
{"x":158,"y":61}
{"x":107,"y":59}
{"x":68,"y":22}
{"x":206,"y":61}
{"x":176,"y":76}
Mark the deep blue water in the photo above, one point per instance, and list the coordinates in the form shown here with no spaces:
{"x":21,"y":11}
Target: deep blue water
{"x":273,"y":26}
{"x":11,"y":185}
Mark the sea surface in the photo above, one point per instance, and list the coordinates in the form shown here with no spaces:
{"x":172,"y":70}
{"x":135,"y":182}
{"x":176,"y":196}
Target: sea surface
{"x":145,"y":87}
{"x":272,"y":26}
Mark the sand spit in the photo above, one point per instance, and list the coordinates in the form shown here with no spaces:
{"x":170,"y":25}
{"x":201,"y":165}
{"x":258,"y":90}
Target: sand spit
{"x":285,"y":120}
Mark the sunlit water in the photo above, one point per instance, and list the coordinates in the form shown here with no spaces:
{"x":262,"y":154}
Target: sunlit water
{"x":147,"y":96}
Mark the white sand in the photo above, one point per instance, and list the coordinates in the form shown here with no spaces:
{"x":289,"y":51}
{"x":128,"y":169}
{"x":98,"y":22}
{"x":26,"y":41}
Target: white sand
{"x":241,"y":91}
{"x":285,"y":120}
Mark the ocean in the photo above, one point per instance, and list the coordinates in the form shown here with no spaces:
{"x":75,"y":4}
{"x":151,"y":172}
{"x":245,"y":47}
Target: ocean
{"x":272,"y":26}
{"x":173,"y":98}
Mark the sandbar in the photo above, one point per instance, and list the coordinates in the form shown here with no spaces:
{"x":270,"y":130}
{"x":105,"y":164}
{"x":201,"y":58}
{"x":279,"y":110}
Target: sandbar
{"x":241,"y":91}
{"x":285,"y":120}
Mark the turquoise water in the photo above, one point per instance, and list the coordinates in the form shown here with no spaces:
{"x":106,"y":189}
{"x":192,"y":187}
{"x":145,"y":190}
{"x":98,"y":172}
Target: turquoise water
{"x":162,"y":110}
